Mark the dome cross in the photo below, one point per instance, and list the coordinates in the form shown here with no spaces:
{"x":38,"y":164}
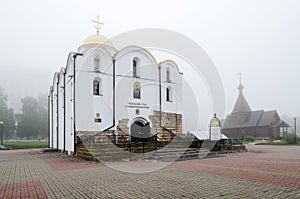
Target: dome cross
{"x":98,"y":23}
{"x":240,"y":87}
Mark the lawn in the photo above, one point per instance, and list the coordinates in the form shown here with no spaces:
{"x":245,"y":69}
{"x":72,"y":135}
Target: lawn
{"x":26,"y":144}
{"x":282,"y":143}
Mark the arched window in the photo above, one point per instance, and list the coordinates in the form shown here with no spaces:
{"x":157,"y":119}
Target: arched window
{"x":137,"y":90}
{"x":168,"y":79}
{"x":135,"y":65}
{"x":134,"y":68}
{"x":169,"y":94}
{"x":97,"y":86}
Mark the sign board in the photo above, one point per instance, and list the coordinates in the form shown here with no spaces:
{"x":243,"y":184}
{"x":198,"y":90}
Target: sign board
{"x":215,"y":129}
{"x":98,"y":120}
{"x":215,"y":133}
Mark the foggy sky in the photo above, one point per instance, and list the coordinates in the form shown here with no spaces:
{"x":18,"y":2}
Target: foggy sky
{"x":260,"y":38}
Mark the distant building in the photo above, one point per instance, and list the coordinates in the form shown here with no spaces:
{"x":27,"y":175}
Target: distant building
{"x":260,"y":124}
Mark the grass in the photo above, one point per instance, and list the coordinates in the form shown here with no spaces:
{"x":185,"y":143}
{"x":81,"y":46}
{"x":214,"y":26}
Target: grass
{"x":247,"y":142}
{"x":282,"y":143}
{"x":26,"y":145}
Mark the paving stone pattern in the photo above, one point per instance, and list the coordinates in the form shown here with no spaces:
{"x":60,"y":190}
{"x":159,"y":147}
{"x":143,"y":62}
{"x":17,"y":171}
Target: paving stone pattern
{"x":263,"y":172}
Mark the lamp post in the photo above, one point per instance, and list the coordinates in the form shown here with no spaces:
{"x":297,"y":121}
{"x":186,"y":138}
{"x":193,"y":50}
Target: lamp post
{"x":1,"y":123}
{"x":295,"y":129}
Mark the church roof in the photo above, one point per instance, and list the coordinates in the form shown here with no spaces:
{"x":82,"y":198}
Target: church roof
{"x":241,"y":104}
{"x":282,"y":123}
{"x":250,"y":119}
{"x":243,"y":120}
{"x":96,"y":39}
{"x":267,"y":118}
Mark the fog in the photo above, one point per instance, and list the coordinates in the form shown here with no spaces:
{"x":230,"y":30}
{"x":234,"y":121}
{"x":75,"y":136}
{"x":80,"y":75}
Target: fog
{"x":259,"y":38}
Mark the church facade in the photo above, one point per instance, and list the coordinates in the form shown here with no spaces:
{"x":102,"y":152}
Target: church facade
{"x":103,"y":90}
{"x":260,"y":124}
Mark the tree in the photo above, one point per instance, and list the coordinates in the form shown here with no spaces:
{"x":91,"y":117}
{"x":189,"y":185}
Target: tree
{"x":33,"y":120}
{"x":6,"y":115}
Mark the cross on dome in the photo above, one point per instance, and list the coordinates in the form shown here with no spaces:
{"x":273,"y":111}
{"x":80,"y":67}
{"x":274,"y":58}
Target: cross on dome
{"x":98,"y":23}
{"x":240,"y":87}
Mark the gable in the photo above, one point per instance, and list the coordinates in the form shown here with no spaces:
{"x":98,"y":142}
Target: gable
{"x":269,"y":118}
{"x":96,"y":59}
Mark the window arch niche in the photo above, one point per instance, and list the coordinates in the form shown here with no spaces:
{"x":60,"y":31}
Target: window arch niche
{"x":169,"y":95}
{"x":97,"y":86}
{"x":135,"y":66}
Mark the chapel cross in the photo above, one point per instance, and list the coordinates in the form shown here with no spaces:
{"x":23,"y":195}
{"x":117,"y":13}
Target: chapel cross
{"x":240,"y":74}
{"x":98,"y":23}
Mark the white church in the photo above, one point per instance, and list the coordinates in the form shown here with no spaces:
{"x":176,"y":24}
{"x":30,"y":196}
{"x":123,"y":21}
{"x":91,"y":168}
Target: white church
{"x":104,"y":90}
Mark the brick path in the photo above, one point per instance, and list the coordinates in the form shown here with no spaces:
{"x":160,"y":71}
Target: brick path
{"x":263,"y":172}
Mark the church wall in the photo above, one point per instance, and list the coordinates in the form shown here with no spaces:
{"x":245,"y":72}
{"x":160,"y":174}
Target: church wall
{"x":69,"y":115}
{"x":275,"y":132}
{"x":95,"y":59}
{"x":231,"y":133}
{"x":267,"y":132}
{"x":259,"y":132}
{"x":174,"y":85}
{"x":239,"y":132}
{"x":128,"y":107}
{"x":69,"y":131}
{"x":50,"y":118}
{"x":88,"y":105}
{"x":146,"y":66}
{"x":61,"y":113}
{"x":55,"y":118}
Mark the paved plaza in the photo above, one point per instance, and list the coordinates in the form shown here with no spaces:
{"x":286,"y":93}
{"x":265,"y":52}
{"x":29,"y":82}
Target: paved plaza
{"x":262,"y":172}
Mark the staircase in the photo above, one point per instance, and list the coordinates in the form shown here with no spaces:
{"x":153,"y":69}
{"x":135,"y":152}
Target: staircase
{"x":160,"y":150}
{"x":176,"y":149}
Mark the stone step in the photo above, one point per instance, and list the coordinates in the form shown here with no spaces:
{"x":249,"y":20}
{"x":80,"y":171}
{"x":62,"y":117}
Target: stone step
{"x":147,"y":150}
{"x":172,"y":155}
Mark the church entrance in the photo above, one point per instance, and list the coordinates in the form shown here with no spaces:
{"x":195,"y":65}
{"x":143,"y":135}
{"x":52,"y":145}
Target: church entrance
{"x":140,"y":131}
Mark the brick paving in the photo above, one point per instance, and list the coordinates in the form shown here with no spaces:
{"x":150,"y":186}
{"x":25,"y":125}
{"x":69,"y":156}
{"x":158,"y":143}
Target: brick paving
{"x":263,"y":172}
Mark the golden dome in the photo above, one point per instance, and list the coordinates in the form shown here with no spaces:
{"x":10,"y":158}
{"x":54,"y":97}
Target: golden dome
{"x":96,"y":39}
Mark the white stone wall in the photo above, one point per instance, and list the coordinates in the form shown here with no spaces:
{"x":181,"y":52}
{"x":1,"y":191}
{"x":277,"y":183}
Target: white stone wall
{"x":87,"y":105}
{"x":148,"y":76}
{"x":69,"y":133}
{"x":50,"y":116}
{"x":61,"y":108}
{"x":174,"y":83}
{"x":55,"y":112}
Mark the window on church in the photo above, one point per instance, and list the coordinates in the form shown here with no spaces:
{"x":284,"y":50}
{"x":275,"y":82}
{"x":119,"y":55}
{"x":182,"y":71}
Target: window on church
{"x":135,"y":65}
{"x":97,"y":87}
{"x":137,"y":90}
{"x":169,"y":94}
{"x":134,"y":68}
{"x":168,"y":79}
